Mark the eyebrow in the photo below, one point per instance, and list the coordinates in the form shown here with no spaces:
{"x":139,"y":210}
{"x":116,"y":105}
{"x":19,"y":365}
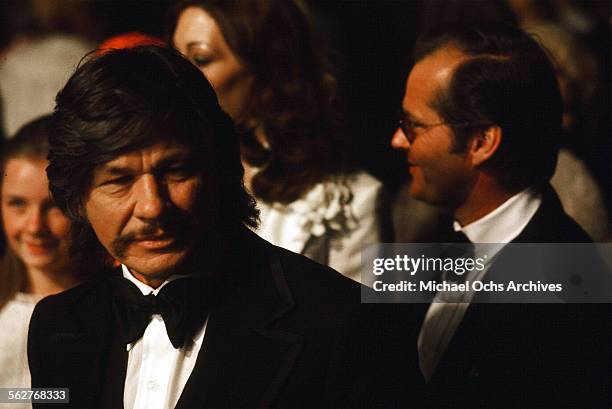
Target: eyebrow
{"x":407,"y":115}
{"x":10,"y":195}
{"x":21,"y":196}
{"x":107,"y":173}
{"x":113,"y":170}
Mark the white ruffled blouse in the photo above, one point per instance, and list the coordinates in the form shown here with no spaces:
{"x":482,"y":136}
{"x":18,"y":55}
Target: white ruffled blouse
{"x":329,"y":224}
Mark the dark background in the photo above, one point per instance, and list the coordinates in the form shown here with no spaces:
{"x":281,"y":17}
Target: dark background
{"x":373,"y":40}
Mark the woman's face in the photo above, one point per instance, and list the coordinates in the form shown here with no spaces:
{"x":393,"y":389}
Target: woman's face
{"x":198,"y":37}
{"x":36,"y":229}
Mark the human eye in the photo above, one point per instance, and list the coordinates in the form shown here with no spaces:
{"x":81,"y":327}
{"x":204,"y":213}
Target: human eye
{"x":120,"y":180}
{"x":115,"y":183}
{"x":406,"y":124}
{"x":179,"y":171}
{"x":416,"y":124}
{"x":407,"y":121}
{"x":16,"y":202}
{"x":200,"y":60}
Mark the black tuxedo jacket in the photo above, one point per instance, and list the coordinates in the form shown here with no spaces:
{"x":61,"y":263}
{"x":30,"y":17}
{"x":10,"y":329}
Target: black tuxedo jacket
{"x":285,"y":332}
{"x":530,"y":355}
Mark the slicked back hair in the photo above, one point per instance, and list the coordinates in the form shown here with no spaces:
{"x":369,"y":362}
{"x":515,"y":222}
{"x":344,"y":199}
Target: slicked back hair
{"x":506,"y":80}
{"x":125,"y":100}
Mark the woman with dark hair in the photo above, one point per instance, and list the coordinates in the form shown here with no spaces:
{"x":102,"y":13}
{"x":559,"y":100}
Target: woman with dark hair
{"x":36,"y":261}
{"x":271,"y":77}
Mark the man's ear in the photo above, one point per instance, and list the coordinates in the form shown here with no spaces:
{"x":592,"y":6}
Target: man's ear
{"x":484,"y":144}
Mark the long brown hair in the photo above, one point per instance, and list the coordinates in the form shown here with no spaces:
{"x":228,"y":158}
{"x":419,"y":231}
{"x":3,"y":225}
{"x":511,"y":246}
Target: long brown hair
{"x":294,"y":99}
{"x":31,"y":142}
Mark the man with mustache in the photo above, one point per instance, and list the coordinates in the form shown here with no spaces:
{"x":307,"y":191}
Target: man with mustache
{"x":203,"y":313}
{"x":481,"y":126}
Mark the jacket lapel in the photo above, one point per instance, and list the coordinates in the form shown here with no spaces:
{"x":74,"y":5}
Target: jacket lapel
{"x":111,"y":395}
{"x":245,"y":359}
{"x":93,"y":349}
{"x":548,"y":225}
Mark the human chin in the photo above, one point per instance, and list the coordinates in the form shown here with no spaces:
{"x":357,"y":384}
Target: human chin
{"x":38,"y":255}
{"x":428,"y":192}
{"x":39,"y":261}
{"x":155,"y":266}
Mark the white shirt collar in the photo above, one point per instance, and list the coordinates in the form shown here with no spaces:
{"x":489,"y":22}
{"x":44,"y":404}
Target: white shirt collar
{"x":144,"y":288}
{"x":506,"y":222}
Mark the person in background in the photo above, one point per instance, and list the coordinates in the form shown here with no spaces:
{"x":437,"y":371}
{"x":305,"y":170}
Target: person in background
{"x":576,"y":179}
{"x":41,"y":44}
{"x":581,"y":189}
{"x":481,"y":119}
{"x":271,"y":77}
{"x":576,"y":70}
{"x":36,"y":262}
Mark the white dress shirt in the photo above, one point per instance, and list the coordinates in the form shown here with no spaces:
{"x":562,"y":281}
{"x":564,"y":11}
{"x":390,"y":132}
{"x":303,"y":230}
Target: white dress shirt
{"x":156,"y":371}
{"x":447,"y":310}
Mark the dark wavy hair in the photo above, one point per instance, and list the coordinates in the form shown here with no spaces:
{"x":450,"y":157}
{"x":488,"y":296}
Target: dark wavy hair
{"x":294,"y":98}
{"x":123,"y":100}
{"x":507,"y":80}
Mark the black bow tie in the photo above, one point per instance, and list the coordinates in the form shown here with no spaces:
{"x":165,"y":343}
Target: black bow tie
{"x":464,"y":248}
{"x":457,"y":236}
{"x":181,"y":303}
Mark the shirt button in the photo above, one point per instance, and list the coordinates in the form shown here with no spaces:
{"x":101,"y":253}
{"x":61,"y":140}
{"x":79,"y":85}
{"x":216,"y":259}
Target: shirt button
{"x":152,"y":385}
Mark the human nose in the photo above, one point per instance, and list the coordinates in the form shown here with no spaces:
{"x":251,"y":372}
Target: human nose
{"x":399,"y":140}
{"x":149,"y":200}
{"x":36,"y":222}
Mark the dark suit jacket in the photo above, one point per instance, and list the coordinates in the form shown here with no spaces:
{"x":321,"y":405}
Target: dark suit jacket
{"x":285,"y":332}
{"x":530,"y":355}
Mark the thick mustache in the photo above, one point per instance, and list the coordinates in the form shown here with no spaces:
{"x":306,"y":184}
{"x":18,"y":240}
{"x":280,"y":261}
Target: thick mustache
{"x":178,"y":229}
